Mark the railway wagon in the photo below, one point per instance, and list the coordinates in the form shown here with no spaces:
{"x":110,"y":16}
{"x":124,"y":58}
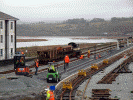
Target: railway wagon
{"x":76,"y":49}
{"x":54,"y":54}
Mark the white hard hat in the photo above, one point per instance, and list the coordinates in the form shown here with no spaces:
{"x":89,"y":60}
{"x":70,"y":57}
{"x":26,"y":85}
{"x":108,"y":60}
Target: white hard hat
{"x":47,"y":89}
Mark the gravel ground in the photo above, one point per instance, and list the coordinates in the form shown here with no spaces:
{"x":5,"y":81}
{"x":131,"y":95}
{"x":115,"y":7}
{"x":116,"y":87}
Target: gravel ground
{"x":32,"y":86}
{"x":29,"y":86}
{"x":120,"y":88}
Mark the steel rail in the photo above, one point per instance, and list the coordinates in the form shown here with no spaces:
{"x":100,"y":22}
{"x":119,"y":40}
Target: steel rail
{"x":82,"y":64}
{"x":107,"y":78}
{"x":61,"y":96}
{"x":99,"y":46}
{"x":75,"y":80}
{"x":119,"y":68}
{"x":32,"y":66}
{"x":120,"y":53}
{"x":80,"y":78}
{"x":112,"y":59}
{"x":85,"y":88}
{"x":10,"y":71}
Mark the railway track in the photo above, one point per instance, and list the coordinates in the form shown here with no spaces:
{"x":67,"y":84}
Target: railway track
{"x":99,"y":50}
{"x":72,"y":95}
{"x":85,"y":64}
{"x":122,"y":68}
{"x":75,"y":80}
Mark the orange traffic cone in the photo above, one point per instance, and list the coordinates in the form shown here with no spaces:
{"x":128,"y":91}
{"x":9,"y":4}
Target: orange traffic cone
{"x":99,"y":55}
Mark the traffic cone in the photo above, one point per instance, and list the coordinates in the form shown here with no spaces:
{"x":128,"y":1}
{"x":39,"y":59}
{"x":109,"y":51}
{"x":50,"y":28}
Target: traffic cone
{"x":99,"y":55}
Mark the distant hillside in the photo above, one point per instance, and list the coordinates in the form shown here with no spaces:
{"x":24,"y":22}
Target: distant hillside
{"x":76,"y":27}
{"x":95,"y":20}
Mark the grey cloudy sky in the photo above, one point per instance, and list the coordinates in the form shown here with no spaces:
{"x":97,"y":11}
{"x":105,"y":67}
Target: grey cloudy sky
{"x":41,"y":10}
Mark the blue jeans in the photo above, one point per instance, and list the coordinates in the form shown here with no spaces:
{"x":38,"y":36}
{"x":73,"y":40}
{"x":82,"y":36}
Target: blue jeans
{"x":36,"y":70}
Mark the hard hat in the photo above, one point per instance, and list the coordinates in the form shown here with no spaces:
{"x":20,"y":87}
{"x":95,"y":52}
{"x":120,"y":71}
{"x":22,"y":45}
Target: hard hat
{"x":22,"y":52}
{"x":66,"y":55}
{"x":47,"y":89}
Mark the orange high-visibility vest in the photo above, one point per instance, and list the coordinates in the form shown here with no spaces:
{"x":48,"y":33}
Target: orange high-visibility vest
{"x":51,"y":95}
{"x":88,"y":51}
{"x":67,"y":59}
{"x":37,"y":64}
{"x":81,"y":57}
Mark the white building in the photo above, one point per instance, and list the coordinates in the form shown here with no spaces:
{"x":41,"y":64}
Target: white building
{"x":7,"y":36}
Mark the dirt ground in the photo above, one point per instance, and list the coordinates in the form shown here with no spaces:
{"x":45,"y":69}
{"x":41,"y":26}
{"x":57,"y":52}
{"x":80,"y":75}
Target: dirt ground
{"x":30,"y":40}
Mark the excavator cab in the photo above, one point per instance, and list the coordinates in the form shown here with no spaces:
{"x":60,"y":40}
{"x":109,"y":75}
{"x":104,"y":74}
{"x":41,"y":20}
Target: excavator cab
{"x":19,"y":64}
{"x":19,"y":60}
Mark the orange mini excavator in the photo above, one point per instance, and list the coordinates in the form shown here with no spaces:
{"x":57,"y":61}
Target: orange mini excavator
{"x":19,"y":64}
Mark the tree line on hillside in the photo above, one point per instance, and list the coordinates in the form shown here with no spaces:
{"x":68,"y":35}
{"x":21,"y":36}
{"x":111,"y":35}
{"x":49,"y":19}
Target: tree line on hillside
{"x":76,"y":27}
{"x":115,"y":19}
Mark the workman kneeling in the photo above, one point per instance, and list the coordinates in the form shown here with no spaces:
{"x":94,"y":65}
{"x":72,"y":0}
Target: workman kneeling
{"x":50,"y":94}
{"x":81,"y":57}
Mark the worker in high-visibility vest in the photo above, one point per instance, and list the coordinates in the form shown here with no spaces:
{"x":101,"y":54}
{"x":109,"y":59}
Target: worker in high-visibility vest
{"x":50,"y":94}
{"x":52,"y":66}
{"x":36,"y":66}
{"x":22,"y":60}
{"x":88,"y":53}
{"x":66,"y":61}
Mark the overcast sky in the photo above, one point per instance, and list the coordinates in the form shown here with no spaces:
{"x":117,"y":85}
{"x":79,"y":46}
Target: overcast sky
{"x":41,"y":10}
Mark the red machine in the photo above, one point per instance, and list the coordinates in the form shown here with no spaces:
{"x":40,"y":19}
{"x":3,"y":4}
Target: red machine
{"x":19,"y":64}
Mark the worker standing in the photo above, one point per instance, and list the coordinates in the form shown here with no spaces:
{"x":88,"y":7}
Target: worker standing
{"x":66,"y":61}
{"x":36,"y":66}
{"x":88,"y":53}
{"x":50,"y":94}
